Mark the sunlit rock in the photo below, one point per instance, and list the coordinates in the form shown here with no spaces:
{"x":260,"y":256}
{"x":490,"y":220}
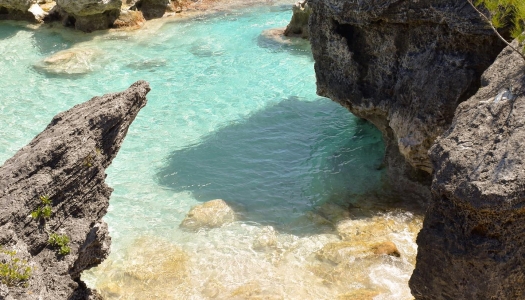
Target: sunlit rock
{"x":214,"y":213}
{"x":21,"y":10}
{"x":129,"y":19}
{"x":70,"y":61}
{"x":298,"y":26}
{"x":90,"y":15}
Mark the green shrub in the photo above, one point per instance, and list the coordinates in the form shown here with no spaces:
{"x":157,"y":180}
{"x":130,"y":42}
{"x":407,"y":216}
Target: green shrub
{"x":61,"y":242}
{"x":506,"y":13}
{"x":13,"y":270}
{"x":44,"y":210}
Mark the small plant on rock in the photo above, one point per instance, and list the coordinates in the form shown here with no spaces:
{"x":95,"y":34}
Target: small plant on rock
{"x":61,"y":242}
{"x":44,"y":210}
{"x":13,"y":270}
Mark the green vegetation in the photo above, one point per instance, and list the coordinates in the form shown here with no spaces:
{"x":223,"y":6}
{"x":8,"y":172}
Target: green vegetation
{"x":504,"y":14}
{"x":13,"y":270}
{"x":61,"y":241}
{"x":44,"y":210}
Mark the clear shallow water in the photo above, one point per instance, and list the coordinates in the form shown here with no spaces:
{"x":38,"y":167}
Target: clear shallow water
{"x":231,"y":115}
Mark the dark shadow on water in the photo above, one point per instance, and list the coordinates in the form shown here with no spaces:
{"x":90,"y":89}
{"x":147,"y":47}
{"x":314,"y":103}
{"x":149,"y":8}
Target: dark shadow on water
{"x":282,"y":163}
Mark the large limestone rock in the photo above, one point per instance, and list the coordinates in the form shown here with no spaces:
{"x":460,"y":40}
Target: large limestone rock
{"x":472,"y":245}
{"x":214,"y":213}
{"x":21,"y":10}
{"x":403,"y":65}
{"x":298,"y":26}
{"x":66,"y":162}
{"x":90,"y":15}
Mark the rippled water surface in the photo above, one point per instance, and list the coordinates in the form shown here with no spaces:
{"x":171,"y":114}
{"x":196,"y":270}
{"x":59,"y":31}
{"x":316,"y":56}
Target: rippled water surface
{"x":231,"y":115}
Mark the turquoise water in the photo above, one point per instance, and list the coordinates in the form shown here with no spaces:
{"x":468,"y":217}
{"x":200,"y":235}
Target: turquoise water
{"x":231,"y":115}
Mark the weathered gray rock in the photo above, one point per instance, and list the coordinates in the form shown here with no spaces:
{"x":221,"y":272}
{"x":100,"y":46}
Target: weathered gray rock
{"x":298,"y":26}
{"x":403,"y":65}
{"x":152,"y":9}
{"x":89,"y":15}
{"x":472,"y":245}
{"x":27,"y":10}
{"x":67,"y":163}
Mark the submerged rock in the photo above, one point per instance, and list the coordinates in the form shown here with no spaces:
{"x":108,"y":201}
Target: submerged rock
{"x":472,"y":245}
{"x":70,"y":61}
{"x":298,"y":26}
{"x":404,"y":66}
{"x":65,"y":163}
{"x":214,"y":213}
{"x":386,"y":248}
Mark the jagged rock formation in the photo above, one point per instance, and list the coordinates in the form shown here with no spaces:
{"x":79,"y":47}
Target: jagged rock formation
{"x":403,"y":65}
{"x":67,"y":163}
{"x":472,"y":245}
{"x":89,"y":15}
{"x":298,"y":26}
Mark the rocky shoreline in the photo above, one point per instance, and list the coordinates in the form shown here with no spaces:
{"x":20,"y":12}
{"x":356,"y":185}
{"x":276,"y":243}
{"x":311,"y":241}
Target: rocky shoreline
{"x":53,"y":190}
{"x":92,"y":15}
{"x":425,"y":73}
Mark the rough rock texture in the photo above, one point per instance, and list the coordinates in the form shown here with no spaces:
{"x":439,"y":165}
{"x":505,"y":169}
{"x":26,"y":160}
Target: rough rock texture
{"x":67,"y":163}
{"x":89,"y":15}
{"x":27,"y":10}
{"x":152,"y":9}
{"x":298,"y":26}
{"x":403,"y":65}
{"x":472,"y":245}
{"x":214,"y":213}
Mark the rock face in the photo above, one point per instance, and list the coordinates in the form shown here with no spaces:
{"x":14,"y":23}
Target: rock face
{"x":66,"y":163}
{"x":21,"y":10}
{"x":403,"y":65}
{"x":90,"y":15}
{"x":472,"y":245}
{"x":298,"y":26}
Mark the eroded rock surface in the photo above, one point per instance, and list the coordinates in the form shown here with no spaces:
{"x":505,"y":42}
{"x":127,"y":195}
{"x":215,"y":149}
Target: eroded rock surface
{"x":403,"y":65}
{"x":21,"y":10}
{"x":90,"y":15}
{"x":66,"y":162}
{"x":298,"y":25}
{"x":472,"y":245}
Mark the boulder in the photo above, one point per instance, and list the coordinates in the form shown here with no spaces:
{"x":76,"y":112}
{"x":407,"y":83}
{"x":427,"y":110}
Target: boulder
{"x":472,"y":245}
{"x":63,"y":166}
{"x":28,"y":10}
{"x":403,"y":65}
{"x":298,"y":25}
{"x":214,"y":213}
{"x":89,"y":15}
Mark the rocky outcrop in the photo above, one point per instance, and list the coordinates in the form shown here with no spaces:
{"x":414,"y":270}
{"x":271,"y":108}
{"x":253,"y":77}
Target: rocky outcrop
{"x":21,"y":10}
{"x":65,"y":163}
{"x":472,"y":245}
{"x":298,"y":25}
{"x":403,"y":65}
{"x":89,"y":15}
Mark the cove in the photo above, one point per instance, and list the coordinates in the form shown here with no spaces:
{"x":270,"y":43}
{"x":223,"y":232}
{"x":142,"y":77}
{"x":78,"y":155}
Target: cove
{"x":231,"y":115}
